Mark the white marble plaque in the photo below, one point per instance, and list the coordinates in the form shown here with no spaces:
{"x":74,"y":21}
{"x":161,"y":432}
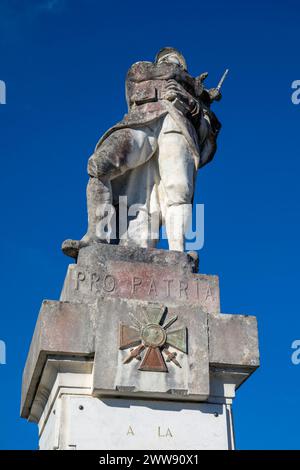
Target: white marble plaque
{"x":91,"y":423}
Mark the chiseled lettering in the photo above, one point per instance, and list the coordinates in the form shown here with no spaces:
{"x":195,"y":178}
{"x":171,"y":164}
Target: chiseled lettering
{"x":152,"y":288}
{"x":183,"y":287}
{"x":168,"y":281}
{"x":208,"y":293}
{"x":94,"y":279}
{"x":130,"y":431}
{"x":109,"y":283}
{"x":136,"y":282}
{"x":166,"y":434}
{"x":79,"y":278}
{"x":203,"y":291}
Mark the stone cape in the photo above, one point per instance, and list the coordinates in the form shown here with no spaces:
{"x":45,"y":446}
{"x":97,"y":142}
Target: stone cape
{"x":141,"y":74}
{"x":148,"y":114}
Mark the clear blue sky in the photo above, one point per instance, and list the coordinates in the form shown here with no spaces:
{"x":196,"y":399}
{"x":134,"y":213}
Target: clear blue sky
{"x":64,"y":64}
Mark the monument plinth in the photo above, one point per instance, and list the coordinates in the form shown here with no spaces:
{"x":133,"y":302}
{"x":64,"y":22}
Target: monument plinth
{"x":108,"y":370}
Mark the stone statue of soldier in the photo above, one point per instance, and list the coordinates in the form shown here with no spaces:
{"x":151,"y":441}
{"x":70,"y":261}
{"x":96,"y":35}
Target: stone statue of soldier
{"x":153,"y":154}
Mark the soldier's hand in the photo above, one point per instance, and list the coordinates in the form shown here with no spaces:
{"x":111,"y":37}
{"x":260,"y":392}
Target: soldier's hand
{"x":203,"y":76}
{"x":172,"y":85}
{"x":175,"y":90}
{"x":215,"y":94}
{"x":170,"y":95}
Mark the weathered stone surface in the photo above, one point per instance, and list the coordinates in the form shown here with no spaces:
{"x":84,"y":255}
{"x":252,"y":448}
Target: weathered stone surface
{"x":227,"y":344}
{"x":96,"y":255}
{"x":152,"y":275}
{"x":111,"y":375}
{"x":142,"y":281}
{"x":62,"y":328}
{"x":151,"y":156}
{"x":66,"y":329}
{"x":233,"y":341}
{"x":112,"y":286}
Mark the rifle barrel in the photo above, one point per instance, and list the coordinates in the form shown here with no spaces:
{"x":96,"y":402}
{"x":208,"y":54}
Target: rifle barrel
{"x":222,"y":79}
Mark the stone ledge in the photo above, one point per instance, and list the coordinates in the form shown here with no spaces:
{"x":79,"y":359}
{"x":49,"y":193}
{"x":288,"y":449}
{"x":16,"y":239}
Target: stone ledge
{"x":62,"y":328}
{"x":66,"y":329}
{"x":233,"y":339}
{"x":98,"y":254}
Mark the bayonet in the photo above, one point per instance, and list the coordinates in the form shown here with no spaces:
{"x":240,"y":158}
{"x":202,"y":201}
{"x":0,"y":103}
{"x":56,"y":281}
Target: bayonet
{"x":222,"y":80}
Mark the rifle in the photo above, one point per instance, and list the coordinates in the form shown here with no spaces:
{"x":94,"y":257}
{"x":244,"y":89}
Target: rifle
{"x":200,"y":87}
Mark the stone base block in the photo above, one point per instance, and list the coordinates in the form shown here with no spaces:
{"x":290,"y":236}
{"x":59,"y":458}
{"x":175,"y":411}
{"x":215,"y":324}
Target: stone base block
{"x":84,"y":422}
{"x":71,"y":418}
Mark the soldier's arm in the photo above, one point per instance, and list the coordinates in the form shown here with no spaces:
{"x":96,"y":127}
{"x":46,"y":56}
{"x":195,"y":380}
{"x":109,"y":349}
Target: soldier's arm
{"x":176,"y":91}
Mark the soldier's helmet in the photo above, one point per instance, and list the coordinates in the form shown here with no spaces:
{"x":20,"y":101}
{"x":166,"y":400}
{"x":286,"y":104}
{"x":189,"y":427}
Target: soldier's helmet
{"x":165,"y":51}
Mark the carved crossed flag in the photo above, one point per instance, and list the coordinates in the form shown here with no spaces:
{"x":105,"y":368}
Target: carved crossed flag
{"x":151,"y":336}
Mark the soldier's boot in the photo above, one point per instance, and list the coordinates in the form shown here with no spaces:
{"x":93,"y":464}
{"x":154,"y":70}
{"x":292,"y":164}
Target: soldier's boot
{"x":100,"y":213}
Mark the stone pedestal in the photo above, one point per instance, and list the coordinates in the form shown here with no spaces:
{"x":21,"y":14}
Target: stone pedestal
{"x":136,"y":355}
